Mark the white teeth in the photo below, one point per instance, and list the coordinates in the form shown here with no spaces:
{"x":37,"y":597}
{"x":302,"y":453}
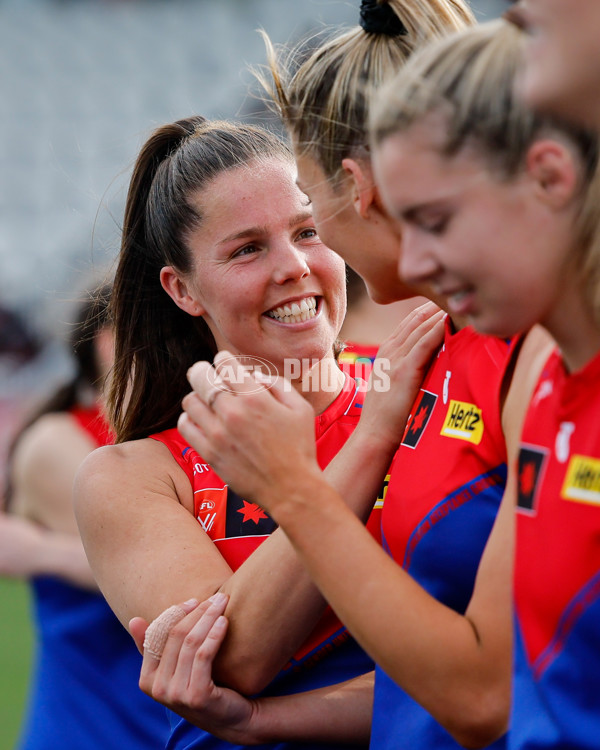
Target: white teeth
{"x":296,"y":312}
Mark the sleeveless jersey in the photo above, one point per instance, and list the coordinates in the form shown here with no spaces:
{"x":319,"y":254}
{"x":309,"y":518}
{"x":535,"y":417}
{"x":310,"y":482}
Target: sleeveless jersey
{"x":237,"y":528}
{"x":557,"y":564}
{"x":445,"y":486}
{"x":84,"y":692}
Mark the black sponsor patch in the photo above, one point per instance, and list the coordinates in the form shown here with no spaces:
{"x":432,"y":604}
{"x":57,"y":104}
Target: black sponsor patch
{"x":531,"y":466}
{"x":422,"y":410}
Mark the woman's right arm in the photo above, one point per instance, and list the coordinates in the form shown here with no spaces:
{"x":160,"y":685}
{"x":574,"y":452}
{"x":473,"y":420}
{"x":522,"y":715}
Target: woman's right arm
{"x":39,"y":535}
{"x":458,"y":667}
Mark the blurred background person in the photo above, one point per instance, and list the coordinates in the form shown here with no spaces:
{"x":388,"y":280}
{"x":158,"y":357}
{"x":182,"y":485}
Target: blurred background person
{"x":19,"y":346}
{"x":84,"y":690}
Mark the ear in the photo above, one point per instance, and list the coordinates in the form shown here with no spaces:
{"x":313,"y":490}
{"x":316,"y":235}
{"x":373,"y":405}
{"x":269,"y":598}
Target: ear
{"x":178,"y":291}
{"x":552,"y":166}
{"x":363,"y":185}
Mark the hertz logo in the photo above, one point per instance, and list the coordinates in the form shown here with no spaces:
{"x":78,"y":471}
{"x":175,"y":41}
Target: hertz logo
{"x":463,"y":421}
{"x":582,"y":481}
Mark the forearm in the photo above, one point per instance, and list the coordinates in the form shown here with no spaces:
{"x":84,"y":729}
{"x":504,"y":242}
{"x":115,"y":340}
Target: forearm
{"x":182,"y":680}
{"x":28,"y":550}
{"x":359,"y":470}
{"x":339,"y":713}
{"x":273,"y":607}
{"x":63,"y":556}
{"x":283,"y":613}
{"x":454,"y":665}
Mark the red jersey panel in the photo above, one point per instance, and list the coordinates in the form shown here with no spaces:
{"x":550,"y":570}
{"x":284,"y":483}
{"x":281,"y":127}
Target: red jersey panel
{"x":445,"y":486}
{"x":557,"y":566}
{"x":93,"y":421}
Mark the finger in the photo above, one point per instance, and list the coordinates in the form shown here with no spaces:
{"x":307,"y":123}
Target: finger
{"x":201,"y":671}
{"x":417,"y":316}
{"x":158,"y":631}
{"x":194,"y":640}
{"x":195,"y":436}
{"x":137,"y":629}
{"x":197,"y":409}
{"x":202,"y":376}
{"x":240,"y":374}
{"x":406,"y":338}
{"x":153,"y":643}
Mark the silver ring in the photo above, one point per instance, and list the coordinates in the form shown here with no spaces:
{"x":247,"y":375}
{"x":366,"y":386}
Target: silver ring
{"x":212,"y":397}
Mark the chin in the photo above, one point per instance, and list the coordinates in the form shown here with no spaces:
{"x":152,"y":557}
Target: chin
{"x":497,"y":328}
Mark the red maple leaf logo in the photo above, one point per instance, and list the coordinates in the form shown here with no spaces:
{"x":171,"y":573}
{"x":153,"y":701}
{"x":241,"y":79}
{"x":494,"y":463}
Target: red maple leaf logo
{"x":251,"y":512}
{"x":527,"y":479}
{"x":419,"y":419}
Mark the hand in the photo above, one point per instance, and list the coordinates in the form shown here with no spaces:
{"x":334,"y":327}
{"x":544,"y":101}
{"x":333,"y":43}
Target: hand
{"x":398,"y":371}
{"x":181,"y":678}
{"x":257,"y":436}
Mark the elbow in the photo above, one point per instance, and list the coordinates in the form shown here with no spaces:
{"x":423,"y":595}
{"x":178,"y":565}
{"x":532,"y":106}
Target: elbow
{"x":244,"y":674}
{"x":483,"y":720}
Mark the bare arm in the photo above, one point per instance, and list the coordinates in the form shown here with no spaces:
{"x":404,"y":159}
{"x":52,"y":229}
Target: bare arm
{"x":182,"y":681}
{"x":457,"y":667}
{"x":148,"y":551}
{"x":40,"y":535}
{"x":27,"y":550}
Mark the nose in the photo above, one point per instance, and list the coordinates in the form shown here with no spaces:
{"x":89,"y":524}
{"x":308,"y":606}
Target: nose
{"x":416,"y":263}
{"x":289,"y":263}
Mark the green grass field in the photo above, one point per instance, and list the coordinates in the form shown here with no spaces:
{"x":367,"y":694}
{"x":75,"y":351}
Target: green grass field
{"x":16,"y":644}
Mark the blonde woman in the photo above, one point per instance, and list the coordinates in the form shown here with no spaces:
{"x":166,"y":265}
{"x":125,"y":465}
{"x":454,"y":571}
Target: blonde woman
{"x":515,"y":200}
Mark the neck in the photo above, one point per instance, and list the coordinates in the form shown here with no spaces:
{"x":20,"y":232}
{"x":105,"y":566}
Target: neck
{"x":369,"y":323}
{"x":574,"y":328}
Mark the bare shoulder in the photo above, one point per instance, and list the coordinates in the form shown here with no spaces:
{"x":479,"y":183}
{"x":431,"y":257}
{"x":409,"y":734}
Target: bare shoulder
{"x":50,"y":438}
{"x":126,"y":471}
{"x":42,"y":469}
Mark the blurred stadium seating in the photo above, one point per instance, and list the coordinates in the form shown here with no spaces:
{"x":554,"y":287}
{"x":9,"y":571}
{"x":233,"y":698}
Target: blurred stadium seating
{"x":82,"y":83}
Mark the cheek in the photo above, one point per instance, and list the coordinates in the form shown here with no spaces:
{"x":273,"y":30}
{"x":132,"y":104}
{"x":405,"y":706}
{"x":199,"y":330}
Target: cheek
{"x":333,"y":279}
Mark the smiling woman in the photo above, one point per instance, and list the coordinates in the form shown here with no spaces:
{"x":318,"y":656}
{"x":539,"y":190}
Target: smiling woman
{"x":219,"y":250}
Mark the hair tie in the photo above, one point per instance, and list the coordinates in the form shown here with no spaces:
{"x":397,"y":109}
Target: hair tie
{"x":376,"y":18}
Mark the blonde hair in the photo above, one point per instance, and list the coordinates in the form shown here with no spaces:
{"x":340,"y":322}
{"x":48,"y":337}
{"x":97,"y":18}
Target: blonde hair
{"x":323,"y":101}
{"x":469,"y":78}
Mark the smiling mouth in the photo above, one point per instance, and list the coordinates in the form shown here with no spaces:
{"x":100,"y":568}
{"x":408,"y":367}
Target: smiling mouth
{"x":296,"y":312}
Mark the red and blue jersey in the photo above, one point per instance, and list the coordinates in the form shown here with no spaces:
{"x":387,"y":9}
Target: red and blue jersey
{"x":557,"y":564}
{"x":238,"y":527}
{"x":445,"y":487}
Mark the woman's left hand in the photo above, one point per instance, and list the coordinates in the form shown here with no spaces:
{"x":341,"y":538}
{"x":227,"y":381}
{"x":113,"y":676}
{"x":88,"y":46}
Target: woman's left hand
{"x":177,"y":668}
